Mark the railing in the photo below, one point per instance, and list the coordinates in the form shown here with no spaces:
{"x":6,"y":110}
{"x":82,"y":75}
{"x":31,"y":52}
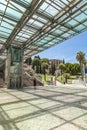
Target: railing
{"x":32,"y":77}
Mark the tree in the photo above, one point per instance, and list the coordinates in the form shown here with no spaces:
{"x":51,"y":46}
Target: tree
{"x":66,"y":76}
{"x":28,"y":61}
{"x":63,"y":61}
{"x":68,"y":67}
{"x":44,"y":60}
{"x":72,"y":68}
{"x":44,"y":66}
{"x":62,"y":67}
{"x":81,"y":59}
{"x":36,"y":64}
{"x":52,"y":69}
{"x":75,"y":69}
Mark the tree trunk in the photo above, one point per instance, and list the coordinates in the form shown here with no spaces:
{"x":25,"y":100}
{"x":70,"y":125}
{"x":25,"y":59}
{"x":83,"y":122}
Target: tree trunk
{"x":81,"y":66}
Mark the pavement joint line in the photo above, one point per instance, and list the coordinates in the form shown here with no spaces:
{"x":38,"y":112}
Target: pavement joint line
{"x":60,"y":103}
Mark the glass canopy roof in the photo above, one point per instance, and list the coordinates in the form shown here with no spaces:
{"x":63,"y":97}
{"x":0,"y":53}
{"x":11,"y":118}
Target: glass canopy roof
{"x":36,"y":25}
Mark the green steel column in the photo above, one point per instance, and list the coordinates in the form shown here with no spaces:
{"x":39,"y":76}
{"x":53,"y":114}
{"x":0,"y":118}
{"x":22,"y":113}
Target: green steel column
{"x":15,"y":74}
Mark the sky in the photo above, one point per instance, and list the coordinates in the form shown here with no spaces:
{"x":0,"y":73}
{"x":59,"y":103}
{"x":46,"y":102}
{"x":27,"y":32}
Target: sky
{"x":68,"y":49}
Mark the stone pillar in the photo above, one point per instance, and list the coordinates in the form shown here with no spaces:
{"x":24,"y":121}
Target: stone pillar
{"x":7,"y":69}
{"x":22,"y":71}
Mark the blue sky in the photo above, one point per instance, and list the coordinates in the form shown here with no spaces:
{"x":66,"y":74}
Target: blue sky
{"x":67,"y":50}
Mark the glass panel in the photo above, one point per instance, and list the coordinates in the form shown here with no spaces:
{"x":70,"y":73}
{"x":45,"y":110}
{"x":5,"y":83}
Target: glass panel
{"x":30,"y":22}
{"x":80,"y":27}
{"x":72,"y":22}
{"x":9,"y":21}
{"x":6,"y":25}
{"x":80,"y":17}
{"x":39,"y":43}
{"x":64,"y":26}
{"x":5,"y":29}
{"x":48,"y":38}
{"x":13,"y":13}
{"x":40,"y":49}
{"x":42,"y":41}
{"x":71,"y":32}
{"x":2,"y":39}
{"x":4,"y":34}
{"x":58,"y":32}
{"x":46,"y":45}
{"x":25,"y":35}
{"x":85,"y":23}
{"x":66,"y":35}
{"x":2,"y":7}
{"x":27,"y":1}
{"x":44,"y":6}
{"x":52,"y":11}
{"x":65,"y":1}
{"x":51,"y":43}
{"x":16,"y":6}
{"x":38,"y":24}
{"x":3,"y":2}
{"x":43,"y":20}
{"x":55,"y":40}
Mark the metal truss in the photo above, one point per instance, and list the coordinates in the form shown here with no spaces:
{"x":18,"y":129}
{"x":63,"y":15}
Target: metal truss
{"x":36,"y":25}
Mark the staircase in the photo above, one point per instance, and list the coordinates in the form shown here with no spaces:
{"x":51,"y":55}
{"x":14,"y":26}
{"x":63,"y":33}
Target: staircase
{"x":29,"y":81}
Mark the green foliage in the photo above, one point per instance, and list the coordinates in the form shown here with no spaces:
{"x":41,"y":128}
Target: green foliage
{"x":60,"y":79}
{"x":72,"y":77}
{"x":62,"y":67}
{"x":28,"y":61}
{"x":81,"y":58}
{"x":72,"y":68}
{"x":44,"y":60}
{"x":52,"y":69}
{"x":44,"y":65}
{"x":69,"y":78}
{"x":48,"y":78}
{"x":36,"y":64}
{"x":40,"y":65}
{"x":75,"y":69}
{"x":63,"y":61}
{"x":66,"y":76}
{"x":68,"y":67}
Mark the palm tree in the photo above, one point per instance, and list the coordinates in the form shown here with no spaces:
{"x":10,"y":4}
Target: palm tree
{"x":81,"y":58}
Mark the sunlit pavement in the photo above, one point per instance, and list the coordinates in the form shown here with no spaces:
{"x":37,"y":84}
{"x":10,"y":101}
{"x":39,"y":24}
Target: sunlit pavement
{"x":45,"y":108}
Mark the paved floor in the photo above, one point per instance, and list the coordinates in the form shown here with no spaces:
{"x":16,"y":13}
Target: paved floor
{"x":46,"y":108}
